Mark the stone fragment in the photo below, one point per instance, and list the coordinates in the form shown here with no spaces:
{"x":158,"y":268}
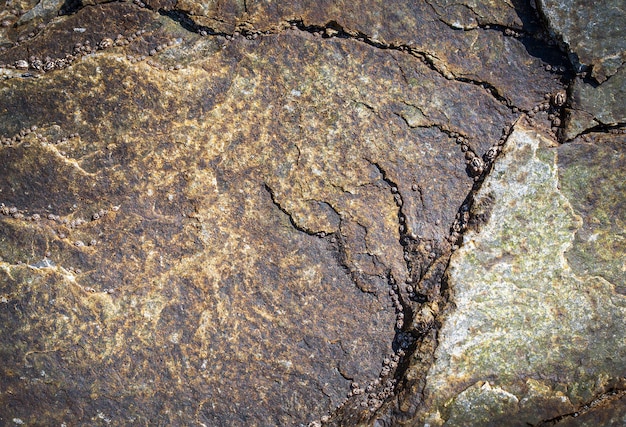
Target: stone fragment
{"x":527,"y":306}
{"x":596,"y":105}
{"x":593,"y":33}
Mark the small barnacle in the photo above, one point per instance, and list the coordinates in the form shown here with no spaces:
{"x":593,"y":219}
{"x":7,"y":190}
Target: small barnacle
{"x":559,"y":98}
{"x":477,"y":165}
{"x":79,"y":243}
{"x":105,"y":43}
{"x":21,"y":64}
{"x":491,"y":154}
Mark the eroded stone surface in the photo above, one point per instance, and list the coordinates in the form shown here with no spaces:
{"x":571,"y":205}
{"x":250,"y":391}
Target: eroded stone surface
{"x":535,"y":332}
{"x":240,"y":213}
{"x":208,"y":231}
{"x":591,"y":177}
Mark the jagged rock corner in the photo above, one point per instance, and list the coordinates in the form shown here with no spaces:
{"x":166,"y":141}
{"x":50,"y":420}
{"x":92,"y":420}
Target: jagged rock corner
{"x":252,"y":213}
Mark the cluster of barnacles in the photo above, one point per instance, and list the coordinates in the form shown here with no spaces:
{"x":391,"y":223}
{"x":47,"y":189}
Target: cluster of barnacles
{"x":47,"y":64}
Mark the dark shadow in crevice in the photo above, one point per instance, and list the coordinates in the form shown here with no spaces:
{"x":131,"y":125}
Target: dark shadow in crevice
{"x":70,"y":7}
{"x":540,"y":42}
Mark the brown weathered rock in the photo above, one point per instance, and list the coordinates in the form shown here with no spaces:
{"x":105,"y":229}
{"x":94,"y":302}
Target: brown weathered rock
{"x":240,"y":213}
{"x":241,"y":218}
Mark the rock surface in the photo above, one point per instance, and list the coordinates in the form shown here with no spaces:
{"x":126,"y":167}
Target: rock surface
{"x":243,"y":213}
{"x":593,"y":33}
{"x":538,"y":320}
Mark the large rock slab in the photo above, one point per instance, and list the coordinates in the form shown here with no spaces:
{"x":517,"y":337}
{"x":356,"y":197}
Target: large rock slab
{"x":537,"y":326}
{"x":242,"y":213}
{"x":212,"y":229}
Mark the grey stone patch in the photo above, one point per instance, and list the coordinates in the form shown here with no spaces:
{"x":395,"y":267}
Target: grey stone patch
{"x":529,"y":338}
{"x":596,"y":105}
{"x":592,"y":31}
{"x":593,"y":34}
{"x":44,"y":10}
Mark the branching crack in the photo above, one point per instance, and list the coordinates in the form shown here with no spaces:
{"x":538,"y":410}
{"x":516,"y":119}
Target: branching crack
{"x":286,"y":212}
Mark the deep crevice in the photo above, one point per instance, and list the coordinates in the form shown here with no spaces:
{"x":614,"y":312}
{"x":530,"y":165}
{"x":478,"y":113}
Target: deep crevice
{"x":71,"y":7}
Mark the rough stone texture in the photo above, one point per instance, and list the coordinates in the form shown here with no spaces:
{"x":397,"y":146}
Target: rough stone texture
{"x":610,"y":412}
{"x":591,"y":174}
{"x":593,"y":34}
{"x":596,"y":106}
{"x":247,"y":219}
{"x":537,"y":329}
{"x":242,"y":213}
{"x":592,"y":31}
